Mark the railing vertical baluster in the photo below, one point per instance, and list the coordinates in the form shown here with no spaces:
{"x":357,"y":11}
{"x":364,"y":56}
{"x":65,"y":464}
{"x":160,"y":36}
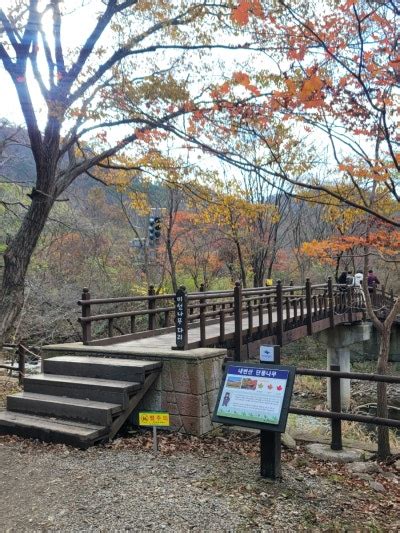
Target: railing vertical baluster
{"x":295,"y":311}
{"x":250,"y":318}
{"x":237,"y":297}
{"x":301,"y":302}
{"x":86,"y":326}
{"x":331,"y":306}
{"x":202,"y":317}
{"x":315,"y":305}
{"x":222,"y":325}
{"x":110,"y":327}
{"x":270,"y":316}
{"x":260,"y":315}
{"x":309,"y":317}
{"x":287,"y":307}
{"x":279,"y":313}
{"x":151,"y":306}
{"x":336,"y":442}
{"x":21,"y":363}
{"x":166,"y":319}
{"x":133,"y":323}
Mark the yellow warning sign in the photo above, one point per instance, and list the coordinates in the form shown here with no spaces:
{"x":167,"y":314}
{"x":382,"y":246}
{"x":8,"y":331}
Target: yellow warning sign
{"x":269,"y":282}
{"x":154,"y":418}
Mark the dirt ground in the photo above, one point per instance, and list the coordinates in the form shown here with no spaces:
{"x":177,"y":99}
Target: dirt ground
{"x":193,"y":484}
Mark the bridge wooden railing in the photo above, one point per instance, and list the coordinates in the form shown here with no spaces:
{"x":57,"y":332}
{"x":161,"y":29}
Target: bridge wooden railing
{"x":256,"y":312}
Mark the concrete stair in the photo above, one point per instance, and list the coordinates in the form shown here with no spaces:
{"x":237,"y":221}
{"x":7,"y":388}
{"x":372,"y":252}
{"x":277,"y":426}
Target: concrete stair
{"x":78,"y":400}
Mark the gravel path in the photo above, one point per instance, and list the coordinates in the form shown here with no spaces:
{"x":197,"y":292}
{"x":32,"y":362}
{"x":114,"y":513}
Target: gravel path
{"x":210,"y":484}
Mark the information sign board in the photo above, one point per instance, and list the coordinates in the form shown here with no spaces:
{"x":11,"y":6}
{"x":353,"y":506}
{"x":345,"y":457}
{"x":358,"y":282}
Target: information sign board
{"x":255,"y":395}
{"x":154,"y":418}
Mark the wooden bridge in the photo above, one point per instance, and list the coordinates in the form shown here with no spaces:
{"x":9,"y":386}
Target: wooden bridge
{"x":238,"y":319}
{"x":87,"y":391}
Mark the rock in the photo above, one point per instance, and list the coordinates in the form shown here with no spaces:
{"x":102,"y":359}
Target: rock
{"x":363,"y":468}
{"x":377,"y":486}
{"x":325,"y":453}
{"x":288,"y":441}
{"x":364,"y":477}
{"x":397,"y":464}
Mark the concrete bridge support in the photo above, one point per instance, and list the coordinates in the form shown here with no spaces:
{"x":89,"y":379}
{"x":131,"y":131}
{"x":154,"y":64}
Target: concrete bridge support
{"x":338,"y":341}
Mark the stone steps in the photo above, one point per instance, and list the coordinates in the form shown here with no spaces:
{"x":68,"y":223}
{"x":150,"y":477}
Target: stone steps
{"x":99,"y":367}
{"x":51,"y":429}
{"x":78,"y":400}
{"x":101,"y":413}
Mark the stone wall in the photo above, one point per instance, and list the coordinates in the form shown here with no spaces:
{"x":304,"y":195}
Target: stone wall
{"x":187,"y":389}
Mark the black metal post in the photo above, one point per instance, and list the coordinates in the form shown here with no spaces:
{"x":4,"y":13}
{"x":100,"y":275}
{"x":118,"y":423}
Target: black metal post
{"x":336,"y":442}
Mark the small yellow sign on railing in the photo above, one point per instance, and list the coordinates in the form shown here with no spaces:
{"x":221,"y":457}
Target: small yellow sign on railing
{"x":269,"y":282}
{"x":154,"y":418}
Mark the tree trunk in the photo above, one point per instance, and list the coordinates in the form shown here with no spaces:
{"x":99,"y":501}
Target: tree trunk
{"x":172,"y":265}
{"x":17,"y":259}
{"x":382,"y":406}
{"x":241,"y":264}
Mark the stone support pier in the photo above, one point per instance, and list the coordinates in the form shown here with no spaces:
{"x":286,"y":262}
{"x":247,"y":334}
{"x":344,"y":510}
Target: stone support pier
{"x":338,"y":341}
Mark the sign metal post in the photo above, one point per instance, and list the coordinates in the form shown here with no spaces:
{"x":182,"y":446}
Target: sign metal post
{"x":270,"y":441}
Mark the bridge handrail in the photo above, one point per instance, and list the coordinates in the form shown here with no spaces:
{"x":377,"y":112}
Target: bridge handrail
{"x":285,"y":307}
{"x":125,"y":299}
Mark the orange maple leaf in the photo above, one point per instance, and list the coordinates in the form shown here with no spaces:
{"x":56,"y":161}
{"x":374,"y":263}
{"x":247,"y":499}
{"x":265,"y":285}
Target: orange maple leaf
{"x":241,"y":14}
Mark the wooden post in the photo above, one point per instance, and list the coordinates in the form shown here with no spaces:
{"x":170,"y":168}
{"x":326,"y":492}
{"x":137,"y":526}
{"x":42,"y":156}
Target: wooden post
{"x":181,"y":318}
{"x":250,"y":319}
{"x":203,"y":308}
{"x":237,"y":298}
{"x":331,"y":306}
{"x":336,"y":442}
{"x":151,"y":306}
{"x":279,"y":313}
{"x":309,"y":307}
{"x":21,"y":364}
{"x":221,"y":325}
{"x":133,"y":323}
{"x":86,"y":326}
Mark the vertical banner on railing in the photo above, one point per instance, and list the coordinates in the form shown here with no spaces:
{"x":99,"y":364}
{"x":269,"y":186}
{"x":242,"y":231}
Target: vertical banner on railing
{"x":181,"y":318}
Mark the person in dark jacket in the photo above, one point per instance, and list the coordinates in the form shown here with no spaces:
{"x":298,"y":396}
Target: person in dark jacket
{"x":342,"y":278}
{"x":373,"y":281}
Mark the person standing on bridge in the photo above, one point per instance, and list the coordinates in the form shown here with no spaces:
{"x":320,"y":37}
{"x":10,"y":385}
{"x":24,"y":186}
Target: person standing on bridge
{"x":358,"y":279}
{"x":349,"y":278}
{"x":373,"y":281}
